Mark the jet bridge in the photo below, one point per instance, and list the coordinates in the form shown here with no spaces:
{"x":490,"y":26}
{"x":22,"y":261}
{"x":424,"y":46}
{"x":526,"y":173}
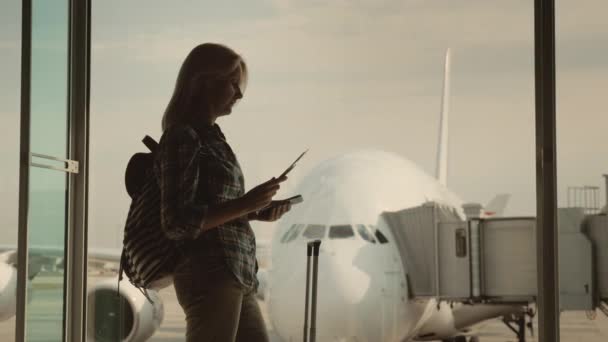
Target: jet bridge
{"x":493,"y":260}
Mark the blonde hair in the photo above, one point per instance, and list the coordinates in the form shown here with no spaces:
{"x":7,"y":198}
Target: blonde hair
{"x":205,"y":62}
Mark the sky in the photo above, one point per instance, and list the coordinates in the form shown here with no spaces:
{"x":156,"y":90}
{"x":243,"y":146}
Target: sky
{"x":331,"y":76}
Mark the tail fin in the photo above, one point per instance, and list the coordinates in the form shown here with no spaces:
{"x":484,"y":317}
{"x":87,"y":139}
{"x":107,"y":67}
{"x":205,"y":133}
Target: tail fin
{"x":496,"y":206}
{"x":442,"y":147}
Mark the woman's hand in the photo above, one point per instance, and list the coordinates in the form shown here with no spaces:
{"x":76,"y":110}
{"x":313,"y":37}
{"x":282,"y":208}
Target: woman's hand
{"x":273,"y":212}
{"x":261,"y":196}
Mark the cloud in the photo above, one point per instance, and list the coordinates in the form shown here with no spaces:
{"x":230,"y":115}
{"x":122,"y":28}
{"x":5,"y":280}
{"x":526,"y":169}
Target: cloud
{"x":340,"y":37}
{"x":365,"y":38}
{"x":312,"y":41}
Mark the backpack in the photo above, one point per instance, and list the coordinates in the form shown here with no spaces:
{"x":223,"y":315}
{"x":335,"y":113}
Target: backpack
{"x":147,"y":256}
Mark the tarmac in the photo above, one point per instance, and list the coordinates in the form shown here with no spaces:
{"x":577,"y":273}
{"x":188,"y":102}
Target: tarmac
{"x":44,"y":321}
{"x":575,"y":326}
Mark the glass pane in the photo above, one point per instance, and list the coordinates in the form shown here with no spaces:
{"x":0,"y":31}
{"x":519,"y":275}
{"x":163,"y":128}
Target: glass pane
{"x":47,"y":224}
{"x":10,"y":83}
{"x":582,"y":77}
{"x":314,"y":231}
{"x":341,"y":232}
{"x":362,"y":78}
{"x":293,"y":233}
{"x":288,"y":233}
{"x":365,"y":233}
{"x":48,"y":130}
{"x":47,"y":207}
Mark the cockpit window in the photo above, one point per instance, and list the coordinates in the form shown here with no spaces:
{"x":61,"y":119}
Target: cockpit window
{"x":314,"y":231}
{"x":287,"y":233}
{"x":365,"y":233}
{"x":292,"y":233}
{"x":381,"y":238}
{"x":343,"y":231}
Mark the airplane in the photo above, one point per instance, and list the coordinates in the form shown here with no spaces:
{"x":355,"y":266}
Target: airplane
{"x":362,"y":284}
{"x":363,"y":292}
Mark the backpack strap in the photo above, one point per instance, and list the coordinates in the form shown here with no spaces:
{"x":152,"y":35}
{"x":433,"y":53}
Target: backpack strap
{"x":144,"y":291}
{"x":139,"y":164}
{"x":120,"y":270}
{"x":150,"y":143}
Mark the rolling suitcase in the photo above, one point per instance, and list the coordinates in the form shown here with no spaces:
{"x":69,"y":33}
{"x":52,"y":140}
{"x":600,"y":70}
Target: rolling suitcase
{"x":312,"y":250}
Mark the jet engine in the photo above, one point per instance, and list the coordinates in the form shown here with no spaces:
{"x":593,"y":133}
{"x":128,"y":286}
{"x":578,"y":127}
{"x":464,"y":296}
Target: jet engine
{"x":122,"y":315}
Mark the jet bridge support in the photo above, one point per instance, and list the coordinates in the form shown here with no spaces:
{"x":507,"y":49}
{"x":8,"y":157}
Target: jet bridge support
{"x":518,"y":324}
{"x":493,"y":260}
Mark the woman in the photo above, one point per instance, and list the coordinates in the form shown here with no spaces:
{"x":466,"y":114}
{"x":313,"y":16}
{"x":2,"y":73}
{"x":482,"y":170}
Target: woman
{"x":204,"y":208}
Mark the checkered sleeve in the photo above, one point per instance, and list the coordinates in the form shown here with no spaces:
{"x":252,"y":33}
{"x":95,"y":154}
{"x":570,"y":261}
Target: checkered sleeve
{"x":178,"y":177}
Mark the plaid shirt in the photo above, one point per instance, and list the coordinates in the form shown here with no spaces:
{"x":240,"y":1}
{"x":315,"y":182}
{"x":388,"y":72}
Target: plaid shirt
{"x":197,"y":168}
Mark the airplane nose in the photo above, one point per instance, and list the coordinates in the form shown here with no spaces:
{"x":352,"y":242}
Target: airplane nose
{"x":341,"y":290}
{"x":342,"y":279}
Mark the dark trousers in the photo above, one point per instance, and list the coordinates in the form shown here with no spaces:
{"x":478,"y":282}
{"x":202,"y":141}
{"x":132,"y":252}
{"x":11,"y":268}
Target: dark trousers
{"x":217,"y":306}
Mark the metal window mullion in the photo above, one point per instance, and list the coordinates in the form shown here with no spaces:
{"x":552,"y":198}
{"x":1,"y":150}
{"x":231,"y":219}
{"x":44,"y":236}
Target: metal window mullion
{"x":76,"y":238}
{"x":546,"y":195}
{"x":24,"y":169}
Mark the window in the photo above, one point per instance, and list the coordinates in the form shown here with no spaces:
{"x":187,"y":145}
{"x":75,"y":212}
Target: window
{"x":461,"y":243}
{"x":381,"y":238}
{"x":314,"y":231}
{"x":388,"y":93}
{"x":288,"y":233}
{"x":292,"y":233}
{"x":341,"y":232}
{"x":365,"y":233}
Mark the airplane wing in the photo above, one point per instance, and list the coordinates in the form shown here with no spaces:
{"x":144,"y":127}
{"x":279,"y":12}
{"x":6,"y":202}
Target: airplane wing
{"x":8,"y":253}
{"x":99,"y":258}
{"x":39,"y":257}
{"x":51,"y":257}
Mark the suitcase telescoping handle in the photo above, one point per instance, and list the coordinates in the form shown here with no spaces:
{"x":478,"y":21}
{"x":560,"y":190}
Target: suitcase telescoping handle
{"x":312,"y":250}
